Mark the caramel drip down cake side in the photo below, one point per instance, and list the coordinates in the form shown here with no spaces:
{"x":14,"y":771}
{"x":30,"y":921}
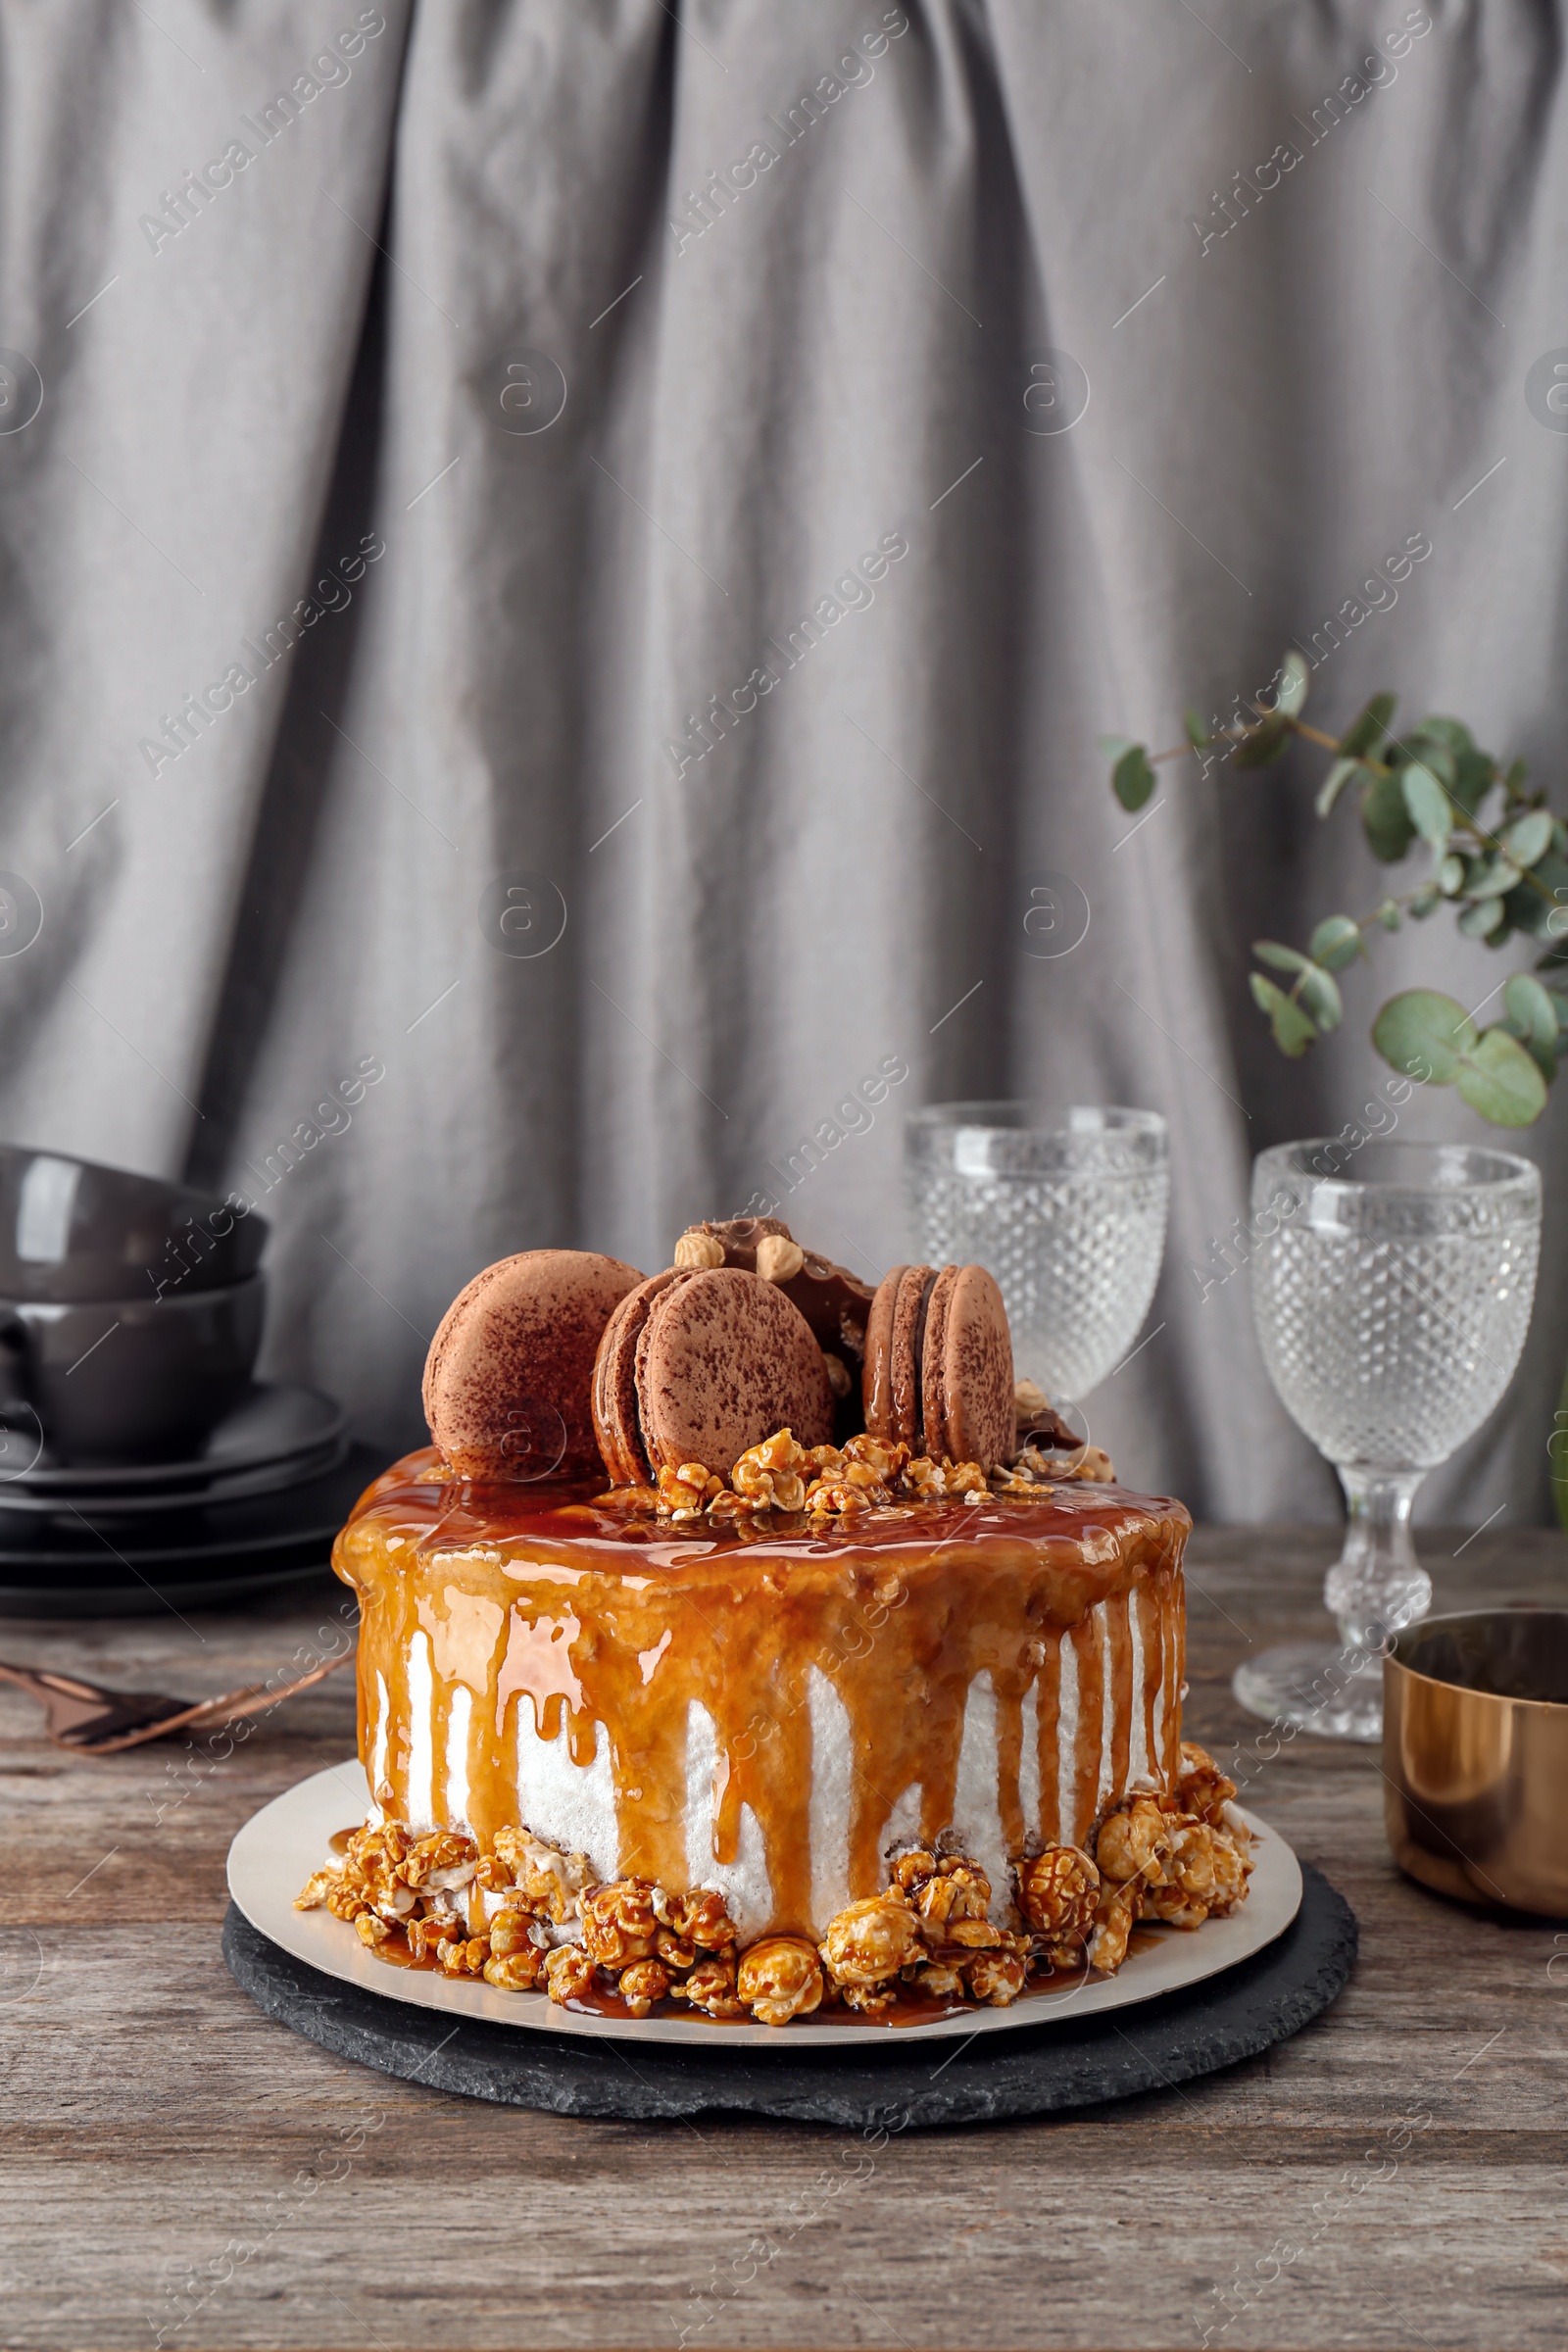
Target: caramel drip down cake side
{"x":765,"y":1717}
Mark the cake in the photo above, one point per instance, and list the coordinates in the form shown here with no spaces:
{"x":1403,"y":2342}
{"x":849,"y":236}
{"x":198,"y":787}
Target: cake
{"x":829,"y":1715}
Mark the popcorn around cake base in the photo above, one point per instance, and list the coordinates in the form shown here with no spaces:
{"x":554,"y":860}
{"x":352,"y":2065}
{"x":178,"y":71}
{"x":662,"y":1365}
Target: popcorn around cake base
{"x":527,"y":1917}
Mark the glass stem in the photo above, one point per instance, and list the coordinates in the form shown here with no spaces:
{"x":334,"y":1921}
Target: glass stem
{"x":1377,"y":1585}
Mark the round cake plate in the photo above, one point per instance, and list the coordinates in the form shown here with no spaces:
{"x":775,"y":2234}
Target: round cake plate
{"x":281,"y":1845}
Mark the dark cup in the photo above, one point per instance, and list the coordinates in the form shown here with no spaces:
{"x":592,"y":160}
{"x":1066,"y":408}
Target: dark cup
{"x":73,"y":1230}
{"x":128,"y":1380}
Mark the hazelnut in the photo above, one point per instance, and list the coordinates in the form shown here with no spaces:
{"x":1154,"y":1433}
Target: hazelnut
{"x":837,"y":1374}
{"x":777,"y":1259}
{"x":694,"y":1249}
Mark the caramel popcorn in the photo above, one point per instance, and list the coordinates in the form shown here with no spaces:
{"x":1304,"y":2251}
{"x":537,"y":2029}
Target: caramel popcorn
{"x":346,"y":1899}
{"x":642,"y":1984}
{"x":464,"y":1955}
{"x":944,"y":1894}
{"x":547,"y":1883}
{"x":837,"y":1497}
{"x":1057,"y":1891}
{"x":768,"y":1475}
{"x":425,"y":1936}
{"x":699,"y":1917}
{"x":685,"y":1492}
{"x":938,"y":1981}
{"x":781,"y":1977}
{"x":882,"y":1456}
{"x":997,"y":1976}
{"x":440,"y":1862}
{"x":515,"y":1972}
{"x":871,"y":1941}
{"x":1113,"y":1925}
{"x":513,"y":1930}
{"x":568,"y":1972}
{"x":711,"y":1987}
{"x":1178,"y":1859}
{"x":618,"y":1922}
{"x":1132,"y":1840}
{"x":1201,"y":1785}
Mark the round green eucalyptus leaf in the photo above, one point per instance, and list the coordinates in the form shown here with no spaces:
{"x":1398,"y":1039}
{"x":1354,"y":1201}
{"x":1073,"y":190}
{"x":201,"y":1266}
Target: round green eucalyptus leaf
{"x":1132,"y":778}
{"x":1490,"y":877}
{"x":1434,"y":752}
{"x":1263,"y":743}
{"x":1529,"y":838}
{"x":1336,"y":941}
{"x":1424,"y":1034}
{"x":1284,"y":959}
{"x":1427,"y":802}
{"x":1474,"y":774}
{"x":1450,"y":874}
{"x":1453,"y":733}
{"x":1540,"y":905}
{"x":1533,"y":1012}
{"x":1293,"y":1030}
{"x":1389,"y":914}
{"x":1483,"y":918}
{"x":1425,"y":903}
{"x":1366,"y":732}
{"x":1295,"y":680}
{"x":1385,"y":819}
{"x":1502,"y":1081}
{"x":1334,"y":783}
{"x":1319,"y":992}
{"x":1197,"y":730}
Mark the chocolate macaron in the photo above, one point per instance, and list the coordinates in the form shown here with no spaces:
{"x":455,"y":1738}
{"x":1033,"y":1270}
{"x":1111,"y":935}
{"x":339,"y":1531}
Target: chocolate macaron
{"x":939,"y":1364}
{"x":702,"y":1363}
{"x":508,"y":1382}
{"x":834,"y":1302}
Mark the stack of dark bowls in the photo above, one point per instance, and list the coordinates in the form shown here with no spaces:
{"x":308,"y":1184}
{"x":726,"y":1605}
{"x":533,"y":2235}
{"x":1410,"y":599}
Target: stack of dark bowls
{"x":141,"y":1463}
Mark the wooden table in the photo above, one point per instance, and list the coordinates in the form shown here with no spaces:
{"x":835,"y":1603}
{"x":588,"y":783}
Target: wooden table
{"x":1397,"y":2174}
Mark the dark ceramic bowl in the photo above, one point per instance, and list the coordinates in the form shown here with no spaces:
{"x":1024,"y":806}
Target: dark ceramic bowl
{"x":128,"y":1380}
{"x":72,"y":1230}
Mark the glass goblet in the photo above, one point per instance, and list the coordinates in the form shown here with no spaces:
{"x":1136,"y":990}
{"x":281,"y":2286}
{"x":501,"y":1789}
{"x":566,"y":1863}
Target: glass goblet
{"x":1067,"y":1209}
{"x":1391,"y":1286}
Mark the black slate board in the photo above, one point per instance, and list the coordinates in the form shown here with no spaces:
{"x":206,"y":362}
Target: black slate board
{"x":1043,"y":2070}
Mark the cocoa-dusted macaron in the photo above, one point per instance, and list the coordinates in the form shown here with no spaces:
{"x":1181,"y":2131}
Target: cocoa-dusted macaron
{"x":723,"y":1360}
{"x":939,"y":1364}
{"x":615,"y":1383}
{"x":967,"y":1371}
{"x":834,"y":1302}
{"x":514,"y":1356}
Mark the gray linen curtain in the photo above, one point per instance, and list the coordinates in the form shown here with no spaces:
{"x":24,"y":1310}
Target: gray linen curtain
{"x":562,"y":590}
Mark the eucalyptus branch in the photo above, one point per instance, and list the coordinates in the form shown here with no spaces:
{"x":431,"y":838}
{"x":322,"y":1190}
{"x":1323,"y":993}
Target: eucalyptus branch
{"x":1506,"y":875}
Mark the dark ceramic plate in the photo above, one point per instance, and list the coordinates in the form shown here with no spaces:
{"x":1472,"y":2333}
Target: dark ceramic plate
{"x":119,"y":1509}
{"x":273,"y":1423}
{"x":197,"y":1555}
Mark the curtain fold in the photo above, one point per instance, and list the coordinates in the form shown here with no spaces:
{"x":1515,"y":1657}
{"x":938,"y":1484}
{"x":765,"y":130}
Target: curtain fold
{"x":575,"y":554}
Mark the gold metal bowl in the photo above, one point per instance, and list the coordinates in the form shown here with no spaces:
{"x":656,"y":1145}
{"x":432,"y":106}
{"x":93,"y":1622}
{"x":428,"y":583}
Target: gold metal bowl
{"x":1475,"y":1756}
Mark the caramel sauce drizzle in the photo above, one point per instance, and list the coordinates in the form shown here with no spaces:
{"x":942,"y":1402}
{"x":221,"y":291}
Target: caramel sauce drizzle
{"x":542,"y":1597}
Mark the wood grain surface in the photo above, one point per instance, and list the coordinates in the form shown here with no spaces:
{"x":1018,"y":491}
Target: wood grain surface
{"x":175,"y":2168}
